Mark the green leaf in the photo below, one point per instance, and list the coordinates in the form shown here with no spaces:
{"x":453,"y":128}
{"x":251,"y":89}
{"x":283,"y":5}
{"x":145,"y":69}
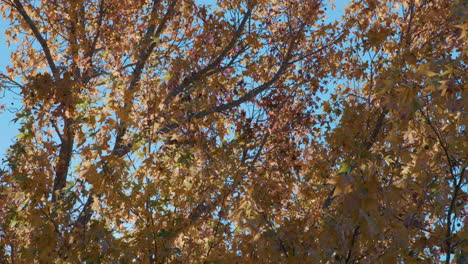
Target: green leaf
{"x":345,"y":168}
{"x":389,"y":160}
{"x":14,"y":221}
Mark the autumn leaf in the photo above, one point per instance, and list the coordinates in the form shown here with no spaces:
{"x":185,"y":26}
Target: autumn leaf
{"x":237,"y":132}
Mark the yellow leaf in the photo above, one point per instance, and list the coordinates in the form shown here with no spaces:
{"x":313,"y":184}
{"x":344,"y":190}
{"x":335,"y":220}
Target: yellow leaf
{"x":424,"y":69}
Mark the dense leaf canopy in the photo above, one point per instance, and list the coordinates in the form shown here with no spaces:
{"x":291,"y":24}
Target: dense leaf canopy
{"x":250,"y":131}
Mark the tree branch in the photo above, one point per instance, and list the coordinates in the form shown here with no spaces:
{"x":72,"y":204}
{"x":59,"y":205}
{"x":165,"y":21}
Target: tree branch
{"x":368,"y":145}
{"x":353,"y":241}
{"x":245,"y":98}
{"x":237,"y":34}
{"x":148,"y":44}
{"x":120,"y":149}
{"x":39,"y":37}
{"x":63,"y":163}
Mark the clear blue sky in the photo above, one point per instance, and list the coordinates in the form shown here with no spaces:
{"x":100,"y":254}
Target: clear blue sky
{"x":8,"y":129}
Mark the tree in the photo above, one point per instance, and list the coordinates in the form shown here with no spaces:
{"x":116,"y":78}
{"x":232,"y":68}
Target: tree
{"x":170,"y":131}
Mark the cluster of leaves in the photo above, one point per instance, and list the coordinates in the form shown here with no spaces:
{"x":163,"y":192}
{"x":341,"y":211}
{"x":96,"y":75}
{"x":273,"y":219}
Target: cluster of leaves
{"x":170,"y":131}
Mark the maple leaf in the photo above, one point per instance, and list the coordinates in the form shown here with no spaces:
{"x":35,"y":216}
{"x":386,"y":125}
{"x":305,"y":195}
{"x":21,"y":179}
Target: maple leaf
{"x":243,"y":132}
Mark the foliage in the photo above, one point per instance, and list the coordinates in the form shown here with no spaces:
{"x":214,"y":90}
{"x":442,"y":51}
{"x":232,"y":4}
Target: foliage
{"x":170,"y":131}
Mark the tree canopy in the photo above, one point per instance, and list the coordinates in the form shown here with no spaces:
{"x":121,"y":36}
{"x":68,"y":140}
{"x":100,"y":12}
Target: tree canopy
{"x":250,"y":131}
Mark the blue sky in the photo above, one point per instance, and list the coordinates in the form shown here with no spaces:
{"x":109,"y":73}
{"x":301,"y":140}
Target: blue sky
{"x":8,"y":129}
